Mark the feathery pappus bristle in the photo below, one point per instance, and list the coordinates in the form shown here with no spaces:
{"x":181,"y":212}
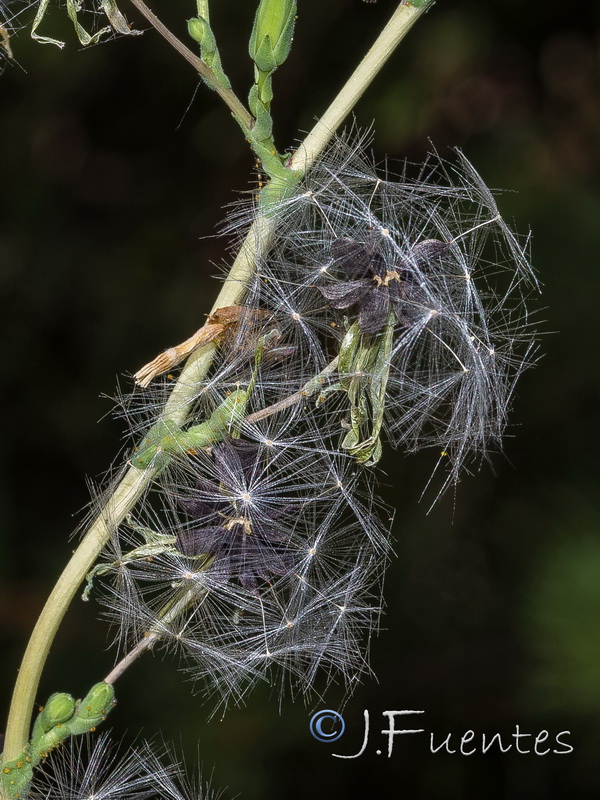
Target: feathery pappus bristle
{"x":385,"y":310}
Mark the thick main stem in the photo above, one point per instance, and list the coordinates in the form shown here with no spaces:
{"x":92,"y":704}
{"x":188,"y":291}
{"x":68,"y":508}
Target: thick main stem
{"x":177,"y":408}
{"x":120,"y":503}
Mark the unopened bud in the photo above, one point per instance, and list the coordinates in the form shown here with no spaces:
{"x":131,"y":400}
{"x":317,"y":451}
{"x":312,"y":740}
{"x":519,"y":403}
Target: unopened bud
{"x":58,"y":709}
{"x":93,"y":708}
{"x":272,"y":33}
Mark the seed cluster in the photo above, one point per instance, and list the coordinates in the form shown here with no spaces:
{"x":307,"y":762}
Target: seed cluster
{"x":385,"y":312}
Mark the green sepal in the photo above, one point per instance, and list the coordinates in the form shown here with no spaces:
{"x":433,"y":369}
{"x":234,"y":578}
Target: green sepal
{"x":264,"y":58}
{"x":272,"y":33}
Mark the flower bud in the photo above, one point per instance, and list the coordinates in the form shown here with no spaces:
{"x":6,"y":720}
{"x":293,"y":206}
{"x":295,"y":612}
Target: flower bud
{"x":58,"y":709}
{"x":272,"y":33}
{"x":201,"y":32}
{"x":93,"y":709}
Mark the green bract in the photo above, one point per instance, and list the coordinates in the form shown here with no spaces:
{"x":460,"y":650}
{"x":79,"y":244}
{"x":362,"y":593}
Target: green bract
{"x":364,"y":366}
{"x":59,"y":708}
{"x":92,"y":710}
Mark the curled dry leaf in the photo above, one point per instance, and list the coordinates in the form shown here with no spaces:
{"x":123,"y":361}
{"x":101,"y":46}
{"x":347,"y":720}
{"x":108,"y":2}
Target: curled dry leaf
{"x":5,"y":41}
{"x":218,"y":325}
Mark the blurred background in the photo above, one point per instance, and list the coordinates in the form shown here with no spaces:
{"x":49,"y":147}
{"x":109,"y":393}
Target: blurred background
{"x":115,"y":164}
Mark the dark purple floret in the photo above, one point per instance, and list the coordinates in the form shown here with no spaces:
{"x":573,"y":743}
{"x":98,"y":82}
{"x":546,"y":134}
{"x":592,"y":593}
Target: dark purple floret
{"x":377,"y":286}
{"x":246,"y":542}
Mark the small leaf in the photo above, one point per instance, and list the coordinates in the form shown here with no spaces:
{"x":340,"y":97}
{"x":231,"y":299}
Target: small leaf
{"x":73,"y":8}
{"x":39,"y":16}
{"x":116,"y":19}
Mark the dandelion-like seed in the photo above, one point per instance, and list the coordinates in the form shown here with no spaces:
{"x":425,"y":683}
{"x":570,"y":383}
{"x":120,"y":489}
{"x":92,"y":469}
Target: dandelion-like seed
{"x":243,"y":543}
{"x":385,"y":310}
{"x":96,"y":769}
{"x":259,"y":541}
{"x":87,"y":769}
{"x":431,"y":256}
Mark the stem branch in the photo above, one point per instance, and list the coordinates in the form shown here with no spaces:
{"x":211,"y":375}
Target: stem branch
{"x":309,"y":388}
{"x":401,"y":21}
{"x":235,"y":105}
{"x":154,"y":634}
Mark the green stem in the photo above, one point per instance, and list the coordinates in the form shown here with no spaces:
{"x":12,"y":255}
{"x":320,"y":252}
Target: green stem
{"x":178,"y":406}
{"x":120,"y":503}
{"x":396,"y":29}
{"x":235,"y":105}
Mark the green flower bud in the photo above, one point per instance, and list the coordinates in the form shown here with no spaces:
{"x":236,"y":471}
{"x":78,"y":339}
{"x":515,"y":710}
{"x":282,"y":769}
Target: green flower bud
{"x":92,"y":710}
{"x":58,"y":709}
{"x":272,"y":33}
{"x":201,"y":32}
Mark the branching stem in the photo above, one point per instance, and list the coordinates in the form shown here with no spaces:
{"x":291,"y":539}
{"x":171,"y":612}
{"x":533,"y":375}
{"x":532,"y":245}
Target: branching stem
{"x":177,"y":408}
{"x":235,"y":105}
{"x":149,"y":639}
{"x":309,"y":388}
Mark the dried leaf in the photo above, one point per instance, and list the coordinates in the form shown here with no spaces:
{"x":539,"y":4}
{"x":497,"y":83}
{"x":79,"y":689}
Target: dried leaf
{"x":218,"y":324}
{"x":5,"y":42}
{"x":175,"y":355}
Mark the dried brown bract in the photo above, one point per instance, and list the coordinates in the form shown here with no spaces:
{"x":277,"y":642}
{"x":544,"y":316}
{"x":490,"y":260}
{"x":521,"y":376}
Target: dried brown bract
{"x":219,"y":327}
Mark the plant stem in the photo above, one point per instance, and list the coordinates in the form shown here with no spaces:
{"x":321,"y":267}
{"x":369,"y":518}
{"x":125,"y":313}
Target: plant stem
{"x":178,"y":406}
{"x":309,"y":388}
{"x":120,"y":503}
{"x":154,"y":634}
{"x":235,"y":105}
{"x":401,"y":21}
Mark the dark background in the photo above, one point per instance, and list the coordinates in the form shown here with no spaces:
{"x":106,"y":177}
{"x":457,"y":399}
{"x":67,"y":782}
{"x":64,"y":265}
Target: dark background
{"x":112,"y":169}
